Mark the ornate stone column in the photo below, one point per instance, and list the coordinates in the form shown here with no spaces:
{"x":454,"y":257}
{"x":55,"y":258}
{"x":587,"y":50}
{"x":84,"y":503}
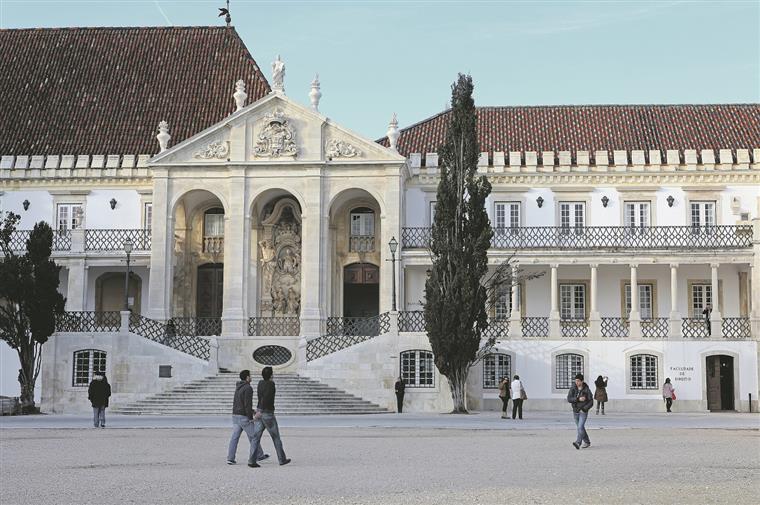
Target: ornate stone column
{"x":554,"y":328}
{"x":595,"y":322}
{"x":634,"y":318}
{"x":675,"y":316}
{"x":715,"y":315}
{"x":162,"y":235}
{"x":233,"y":298}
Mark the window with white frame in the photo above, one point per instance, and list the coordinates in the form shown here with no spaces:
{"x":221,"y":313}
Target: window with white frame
{"x":417,"y":368}
{"x":644,"y":372}
{"x":646,"y":301}
{"x":362,"y":232}
{"x":702,"y":214}
{"x":87,"y":363}
{"x":507,"y":217}
{"x":636,"y":215}
{"x":147,"y":215}
{"x":701,"y":296}
{"x":572,"y":216}
{"x":496,"y":366}
{"x":503,"y":302}
{"x":566,"y":367}
{"x":572,"y":301}
{"x":69,"y":216}
{"x":432,"y":212}
{"x":213,"y":222}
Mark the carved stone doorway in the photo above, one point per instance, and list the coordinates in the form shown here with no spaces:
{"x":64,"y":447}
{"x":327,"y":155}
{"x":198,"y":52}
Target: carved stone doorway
{"x":720,"y":382}
{"x":361,"y":290}
{"x":209,"y":290}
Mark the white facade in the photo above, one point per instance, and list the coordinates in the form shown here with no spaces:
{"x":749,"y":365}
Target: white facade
{"x":271,"y":228}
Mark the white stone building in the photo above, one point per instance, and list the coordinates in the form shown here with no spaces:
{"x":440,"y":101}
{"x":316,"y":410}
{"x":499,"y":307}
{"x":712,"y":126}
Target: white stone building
{"x":259,"y":231}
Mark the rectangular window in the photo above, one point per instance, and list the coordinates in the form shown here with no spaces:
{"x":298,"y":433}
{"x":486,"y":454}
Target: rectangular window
{"x":637,"y":215}
{"x":572,"y":298}
{"x":507,"y":215}
{"x":417,"y":368}
{"x":69,"y":216}
{"x":503,"y":304}
{"x":646,"y":297}
{"x":702,"y":214}
{"x":496,"y":366}
{"x":362,"y":224}
{"x":148,"y":216}
{"x":566,"y":367}
{"x":701,"y":296}
{"x":213,"y":225}
{"x":644,"y":372}
{"x":86,"y":364}
{"x":572,"y":215}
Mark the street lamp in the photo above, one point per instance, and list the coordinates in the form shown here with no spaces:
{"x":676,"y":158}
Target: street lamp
{"x":128,"y":250}
{"x":393,"y":245}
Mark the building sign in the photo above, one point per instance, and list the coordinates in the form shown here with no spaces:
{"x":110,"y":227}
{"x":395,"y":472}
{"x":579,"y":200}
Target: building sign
{"x":682,"y":373}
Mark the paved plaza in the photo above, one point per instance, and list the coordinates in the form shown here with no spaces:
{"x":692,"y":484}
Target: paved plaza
{"x":386,"y":459}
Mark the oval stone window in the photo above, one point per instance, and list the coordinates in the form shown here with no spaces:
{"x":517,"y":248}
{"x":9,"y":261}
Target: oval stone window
{"x":272,"y":355}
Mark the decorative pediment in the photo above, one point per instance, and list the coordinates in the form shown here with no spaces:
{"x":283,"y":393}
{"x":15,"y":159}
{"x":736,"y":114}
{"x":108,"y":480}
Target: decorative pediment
{"x":276,"y":136}
{"x":335,"y":148}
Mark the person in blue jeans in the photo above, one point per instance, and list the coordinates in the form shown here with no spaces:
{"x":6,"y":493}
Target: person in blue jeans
{"x":242,"y":418}
{"x":582,"y":401}
{"x":98,"y":392}
{"x":265,"y":418}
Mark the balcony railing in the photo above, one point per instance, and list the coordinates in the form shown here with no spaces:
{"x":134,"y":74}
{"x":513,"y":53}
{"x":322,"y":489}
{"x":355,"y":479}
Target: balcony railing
{"x":695,"y":327}
{"x":343,"y":332}
{"x":113,"y":240}
{"x":614,"y":327}
{"x":604,"y":237}
{"x":535,"y":327}
{"x":497,"y":329}
{"x":411,"y":321}
{"x":61,"y":240}
{"x":735,"y":327}
{"x":197,"y":326}
{"x":274,"y":326}
{"x":573,"y":328}
{"x":656,"y":327}
{"x":213,"y":245}
{"x":361,"y":243}
{"x":88,"y":321}
{"x":171,"y":335}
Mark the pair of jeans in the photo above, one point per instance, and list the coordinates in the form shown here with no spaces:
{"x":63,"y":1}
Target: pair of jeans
{"x":242,"y":424}
{"x":517,"y":407}
{"x":268,"y":421}
{"x":399,"y":402}
{"x":668,"y":403}
{"x":580,"y":423}
{"x":99,"y":416}
{"x":504,"y":404}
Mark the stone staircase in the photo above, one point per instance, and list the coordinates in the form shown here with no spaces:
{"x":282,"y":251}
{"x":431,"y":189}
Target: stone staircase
{"x":296,"y":395}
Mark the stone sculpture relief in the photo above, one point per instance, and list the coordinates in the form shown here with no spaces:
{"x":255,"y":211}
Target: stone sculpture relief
{"x":217,"y":149}
{"x":280,"y":260}
{"x":335,"y":148}
{"x":276,"y":137}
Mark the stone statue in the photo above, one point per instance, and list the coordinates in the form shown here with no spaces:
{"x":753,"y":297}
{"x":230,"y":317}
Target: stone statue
{"x":279,"y":303}
{"x":278,"y":75}
{"x":289,"y":262}
{"x":294,"y":302}
{"x":267,"y":262}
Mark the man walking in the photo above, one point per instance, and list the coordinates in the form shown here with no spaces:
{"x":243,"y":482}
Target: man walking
{"x":242,"y":418}
{"x":98,"y":393}
{"x":265,"y":418}
{"x":580,"y":398}
{"x":400,"y":386}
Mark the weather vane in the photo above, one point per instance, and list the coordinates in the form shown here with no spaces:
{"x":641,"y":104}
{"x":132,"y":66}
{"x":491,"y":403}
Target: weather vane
{"x":226,"y":13}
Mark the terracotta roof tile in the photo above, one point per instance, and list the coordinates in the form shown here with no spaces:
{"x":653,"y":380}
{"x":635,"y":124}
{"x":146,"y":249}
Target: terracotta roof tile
{"x":104,"y":90}
{"x":597,"y":128}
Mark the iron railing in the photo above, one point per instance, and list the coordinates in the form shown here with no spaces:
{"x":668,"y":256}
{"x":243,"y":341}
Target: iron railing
{"x":498,"y":329}
{"x":61,"y":240}
{"x":361,"y":243}
{"x":82,"y":321}
{"x":615,"y":327}
{"x":274,"y":326}
{"x":171,"y":336}
{"x":655,"y":327}
{"x":197,"y":326}
{"x":604,"y":237}
{"x":573,"y":328}
{"x":113,"y":239}
{"x":736,"y":327}
{"x":695,"y":327}
{"x":344,"y":332}
{"x":411,"y":321}
{"x":535,"y":327}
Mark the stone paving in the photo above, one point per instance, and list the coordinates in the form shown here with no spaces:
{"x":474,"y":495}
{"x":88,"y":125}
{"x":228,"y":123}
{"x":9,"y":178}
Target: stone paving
{"x":389,"y":459}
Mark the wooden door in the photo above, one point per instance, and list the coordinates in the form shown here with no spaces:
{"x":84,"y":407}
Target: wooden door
{"x":209,"y":290}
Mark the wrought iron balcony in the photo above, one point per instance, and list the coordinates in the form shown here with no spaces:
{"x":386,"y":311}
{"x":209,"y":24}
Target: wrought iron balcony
{"x":656,"y":327}
{"x":573,"y":328}
{"x":735,"y":327}
{"x":196,"y":326}
{"x":113,"y":240}
{"x":604,"y":237}
{"x":535,"y":327}
{"x":61,"y":240}
{"x":411,"y":321}
{"x":614,"y":327}
{"x":88,"y":321}
{"x":361,"y":243}
{"x":695,"y":327}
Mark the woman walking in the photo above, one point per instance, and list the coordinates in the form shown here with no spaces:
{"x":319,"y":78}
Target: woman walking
{"x":504,"y":395}
{"x":600,"y":395}
{"x":668,"y":394}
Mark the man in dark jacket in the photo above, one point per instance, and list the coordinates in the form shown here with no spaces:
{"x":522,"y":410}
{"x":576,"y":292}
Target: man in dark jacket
{"x":98,"y":393}
{"x":582,"y":401}
{"x":400,"y":386}
{"x":265,"y":418}
{"x":242,"y":418}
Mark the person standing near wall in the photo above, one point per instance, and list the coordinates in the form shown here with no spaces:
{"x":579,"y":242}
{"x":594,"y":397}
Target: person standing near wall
{"x":98,"y":393}
{"x":580,"y":398}
{"x":504,"y":388}
{"x":400,"y":387}
{"x":706,"y":312}
{"x":600,"y":395}
{"x":518,"y":396}
{"x":668,"y":394}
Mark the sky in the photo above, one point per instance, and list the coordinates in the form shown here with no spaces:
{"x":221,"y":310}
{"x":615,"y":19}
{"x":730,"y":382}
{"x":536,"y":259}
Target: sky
{"x":379,"y":57}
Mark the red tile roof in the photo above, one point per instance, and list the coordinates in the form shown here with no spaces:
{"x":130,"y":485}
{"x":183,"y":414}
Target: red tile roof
{"x":104,"y":90}
{"x":597,"y":128}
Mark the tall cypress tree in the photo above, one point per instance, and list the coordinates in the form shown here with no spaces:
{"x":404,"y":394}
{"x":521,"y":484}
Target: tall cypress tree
{"x":455,"y":297}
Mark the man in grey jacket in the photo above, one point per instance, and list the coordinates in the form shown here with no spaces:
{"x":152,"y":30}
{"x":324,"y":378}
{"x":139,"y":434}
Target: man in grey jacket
{"x":242,"y":418}
{"x":582,"y":400}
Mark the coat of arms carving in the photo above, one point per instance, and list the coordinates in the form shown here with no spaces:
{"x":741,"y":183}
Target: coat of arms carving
{"x":276,"y":137}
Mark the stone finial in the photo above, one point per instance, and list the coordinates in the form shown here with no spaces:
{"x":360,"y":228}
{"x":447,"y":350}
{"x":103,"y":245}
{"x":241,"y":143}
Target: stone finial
{"x":278,"y":76}
{"x":315,"y":94}
{"x":163,"y":135}
{"x":393,"y":133}
{"x":240,"y":95}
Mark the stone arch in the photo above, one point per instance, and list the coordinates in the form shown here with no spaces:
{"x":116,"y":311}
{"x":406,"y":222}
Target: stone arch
{"x":109,"y":292}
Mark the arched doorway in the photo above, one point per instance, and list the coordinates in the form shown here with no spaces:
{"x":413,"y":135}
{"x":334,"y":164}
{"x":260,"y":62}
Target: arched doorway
{"x":361,"y":290}
{"x":109,"y":292}
{"x":210,"y":288}
{"x":720,"y":382}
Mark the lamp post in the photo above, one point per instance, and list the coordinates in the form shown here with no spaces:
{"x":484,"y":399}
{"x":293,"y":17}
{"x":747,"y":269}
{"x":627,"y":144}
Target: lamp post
{"x":128,"y":250}
{"x":393,"y":245}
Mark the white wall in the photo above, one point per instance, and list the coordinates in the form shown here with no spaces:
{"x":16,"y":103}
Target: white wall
{"x":40,"y":207}
{"x":127,"y":213}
